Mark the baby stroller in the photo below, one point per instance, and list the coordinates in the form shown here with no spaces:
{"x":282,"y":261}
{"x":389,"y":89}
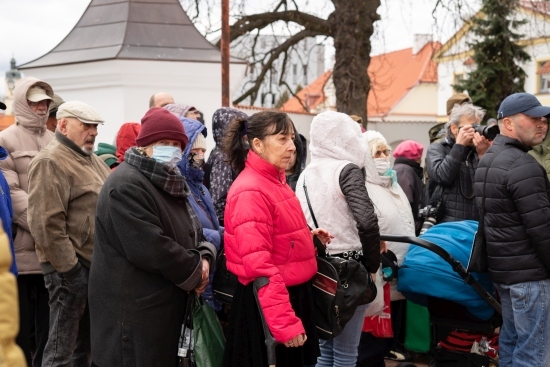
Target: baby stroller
{"x":463,"y":311}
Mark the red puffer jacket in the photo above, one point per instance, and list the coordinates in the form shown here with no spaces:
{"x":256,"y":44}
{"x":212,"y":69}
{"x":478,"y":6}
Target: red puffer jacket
{"x":266,"y":235}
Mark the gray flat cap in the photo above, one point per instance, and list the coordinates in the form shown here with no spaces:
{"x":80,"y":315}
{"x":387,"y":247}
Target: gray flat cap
{"x":79,"y":110}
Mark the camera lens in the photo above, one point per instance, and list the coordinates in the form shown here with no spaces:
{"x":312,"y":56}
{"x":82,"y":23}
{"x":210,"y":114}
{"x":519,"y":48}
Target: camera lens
{"x":428,"y":223}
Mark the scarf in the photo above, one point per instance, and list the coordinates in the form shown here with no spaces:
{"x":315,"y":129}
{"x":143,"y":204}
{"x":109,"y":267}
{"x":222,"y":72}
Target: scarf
{"x":165,"y":179}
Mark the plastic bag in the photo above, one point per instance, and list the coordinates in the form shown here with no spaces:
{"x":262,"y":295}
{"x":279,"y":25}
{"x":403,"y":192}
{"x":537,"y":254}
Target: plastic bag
{"x":376,"y":307}
{"x":208,"y":336}
{"x":380,"y":325}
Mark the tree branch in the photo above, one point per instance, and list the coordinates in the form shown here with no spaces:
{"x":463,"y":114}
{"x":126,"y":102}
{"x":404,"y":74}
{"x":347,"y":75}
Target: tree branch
{"x":259,"y":21}
{"x":275,"y":53}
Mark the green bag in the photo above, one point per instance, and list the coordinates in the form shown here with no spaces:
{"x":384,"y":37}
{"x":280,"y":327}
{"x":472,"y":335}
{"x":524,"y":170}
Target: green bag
{"x":208,"y":336}
{"x":417,"y":330}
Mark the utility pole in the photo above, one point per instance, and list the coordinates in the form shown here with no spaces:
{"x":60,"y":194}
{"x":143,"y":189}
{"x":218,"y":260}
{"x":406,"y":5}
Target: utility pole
{"x":225,"y":53}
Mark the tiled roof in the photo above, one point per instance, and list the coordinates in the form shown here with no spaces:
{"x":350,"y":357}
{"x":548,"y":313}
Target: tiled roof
{"x":311,"y":96}
{"x":129,"y":29}
{"x":541,"y":7}
{"x":392,"y":75}
{"x":544,"y":69}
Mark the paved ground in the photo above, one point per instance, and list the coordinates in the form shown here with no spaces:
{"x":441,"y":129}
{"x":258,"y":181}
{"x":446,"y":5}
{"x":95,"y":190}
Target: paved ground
{"x":420,"y":360}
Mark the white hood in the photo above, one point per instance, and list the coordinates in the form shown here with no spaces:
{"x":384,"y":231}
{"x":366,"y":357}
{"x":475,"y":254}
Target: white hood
{"x":335,"y":135}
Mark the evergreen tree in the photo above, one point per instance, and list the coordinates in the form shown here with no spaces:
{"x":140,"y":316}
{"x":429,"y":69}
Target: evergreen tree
{"x":497,"y":56}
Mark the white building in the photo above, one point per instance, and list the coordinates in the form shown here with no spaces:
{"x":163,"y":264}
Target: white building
{"x":305,"y":62}
{"x":121,"y":52}
{"x":455,"y":61}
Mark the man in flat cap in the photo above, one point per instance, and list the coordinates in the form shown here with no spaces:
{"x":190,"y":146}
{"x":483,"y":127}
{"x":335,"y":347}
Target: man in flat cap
{"x":517,"y":230}
{"x":64,"y":184}
{"x":23,"y":140}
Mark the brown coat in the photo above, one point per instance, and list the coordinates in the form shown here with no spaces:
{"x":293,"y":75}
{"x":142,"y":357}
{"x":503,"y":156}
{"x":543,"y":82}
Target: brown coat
{"x":62,"y":213}
{"x":23,"y":141}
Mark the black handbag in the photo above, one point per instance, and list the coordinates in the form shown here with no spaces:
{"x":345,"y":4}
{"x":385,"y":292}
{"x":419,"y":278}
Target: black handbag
{"x":224,"y":282}
{"x":478,"y":256}
{"x":339,"y":286}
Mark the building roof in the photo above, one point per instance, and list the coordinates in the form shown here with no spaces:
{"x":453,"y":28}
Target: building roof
{"x":131,"y":29}
{"x":392,"y":75}
{"x":6,"y":121}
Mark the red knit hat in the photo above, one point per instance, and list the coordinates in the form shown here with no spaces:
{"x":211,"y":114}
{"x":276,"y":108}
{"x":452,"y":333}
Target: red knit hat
{"x":160,"y":124}
{"x":409,"y":149}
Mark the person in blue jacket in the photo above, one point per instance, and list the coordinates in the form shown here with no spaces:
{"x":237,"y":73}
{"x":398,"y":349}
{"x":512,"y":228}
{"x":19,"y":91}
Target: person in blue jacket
{"x":6,"y":210}
{"x":191,"y":167}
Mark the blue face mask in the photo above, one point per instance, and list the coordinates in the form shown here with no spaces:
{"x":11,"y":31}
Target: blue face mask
{"x":168,"y":155}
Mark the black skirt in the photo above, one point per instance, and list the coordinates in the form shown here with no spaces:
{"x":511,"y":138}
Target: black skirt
{"x":245,"y":345}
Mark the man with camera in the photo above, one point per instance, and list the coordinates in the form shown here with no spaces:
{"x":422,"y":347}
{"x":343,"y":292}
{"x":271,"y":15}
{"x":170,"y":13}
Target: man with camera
{"x":452,"y":162}
{"x":517,"y":230}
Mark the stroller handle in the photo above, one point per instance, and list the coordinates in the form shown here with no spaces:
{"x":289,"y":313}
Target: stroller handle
{"x":455,"y":264}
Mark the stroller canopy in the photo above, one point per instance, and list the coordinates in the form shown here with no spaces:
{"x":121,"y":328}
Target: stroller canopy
{"x":424,"y":272}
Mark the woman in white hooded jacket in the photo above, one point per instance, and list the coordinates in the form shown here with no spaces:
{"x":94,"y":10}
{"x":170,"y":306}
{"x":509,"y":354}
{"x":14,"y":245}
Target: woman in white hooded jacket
{"x":341,"y":204}
{"x":394,"y":217}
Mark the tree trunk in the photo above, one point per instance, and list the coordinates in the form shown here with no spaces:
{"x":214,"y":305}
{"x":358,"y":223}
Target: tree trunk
{"x":352,"y":26}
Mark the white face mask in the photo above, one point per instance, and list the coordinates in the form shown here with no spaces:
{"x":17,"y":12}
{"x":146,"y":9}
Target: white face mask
{"x":382,"y":165}
{"x":167,"y":154}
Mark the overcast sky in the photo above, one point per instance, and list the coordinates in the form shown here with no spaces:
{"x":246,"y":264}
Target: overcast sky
{"x":31,"y":28}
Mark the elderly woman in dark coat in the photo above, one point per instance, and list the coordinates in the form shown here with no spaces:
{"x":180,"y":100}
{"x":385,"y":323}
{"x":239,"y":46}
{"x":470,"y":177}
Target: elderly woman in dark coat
{"x":148,"y":251}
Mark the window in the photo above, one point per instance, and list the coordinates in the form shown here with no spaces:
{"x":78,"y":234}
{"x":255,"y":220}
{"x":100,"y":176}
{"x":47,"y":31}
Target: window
{"x":458,"y":78}
{"x":294,"y":73}
{"x":543,"y":72}
{"x":305,"y":74}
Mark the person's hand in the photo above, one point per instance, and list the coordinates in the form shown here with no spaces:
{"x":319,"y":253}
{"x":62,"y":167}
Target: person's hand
{"x":383,"y":246}
{"x":323,"y":235}
{"x":297,"y":341}
{"x":465,"y":135}
{"x":204,"y":276}
{"x":482,"y":144}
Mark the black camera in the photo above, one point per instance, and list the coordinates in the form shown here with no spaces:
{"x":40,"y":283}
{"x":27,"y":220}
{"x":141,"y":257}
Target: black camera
{"x":429,"y":213}
{"x":489,"y":132}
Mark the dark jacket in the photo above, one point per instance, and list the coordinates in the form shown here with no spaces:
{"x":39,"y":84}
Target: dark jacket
{"x":144,"y":263}
{"x":409,"y":177}
{"x":452,"y":167}
{"x":301,"y":156}
{"x":517,"y":212}
{"x":221,"y":176}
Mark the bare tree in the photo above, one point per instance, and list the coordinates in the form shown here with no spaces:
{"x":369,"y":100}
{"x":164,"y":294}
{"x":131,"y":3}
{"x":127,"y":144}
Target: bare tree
{"x":350,"y":25}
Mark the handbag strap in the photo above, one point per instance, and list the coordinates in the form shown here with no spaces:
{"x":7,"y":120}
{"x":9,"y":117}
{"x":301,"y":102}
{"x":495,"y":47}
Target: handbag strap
{"x":481,"y":225}
{"x":316,"y":242}
{"x":188,"y":311}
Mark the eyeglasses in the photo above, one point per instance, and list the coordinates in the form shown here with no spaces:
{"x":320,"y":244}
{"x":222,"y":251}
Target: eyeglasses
{"x":32,"y":104}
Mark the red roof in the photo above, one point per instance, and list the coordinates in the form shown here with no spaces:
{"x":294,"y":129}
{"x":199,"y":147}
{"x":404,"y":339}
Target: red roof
{"x":311,"y":96}
{"x":392,"y":75}
{"x":541,"y":7}
{"x":6,"y":121}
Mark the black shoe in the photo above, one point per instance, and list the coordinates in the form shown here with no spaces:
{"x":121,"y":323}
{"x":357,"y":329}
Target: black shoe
{"x":398,"y":353}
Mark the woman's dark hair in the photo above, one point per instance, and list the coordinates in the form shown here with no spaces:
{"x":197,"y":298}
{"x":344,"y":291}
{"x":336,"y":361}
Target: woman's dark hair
{"x":259,"y":125}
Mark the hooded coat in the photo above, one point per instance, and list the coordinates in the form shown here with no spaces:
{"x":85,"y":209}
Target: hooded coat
{"x":201,"y":201}
{"x":541,"y":153}
{"x":393,"y":211}
{"x":126,"y":138}
{"x":221,"y":174}
{"x":336,"y":187}
{"x":23,"y":141}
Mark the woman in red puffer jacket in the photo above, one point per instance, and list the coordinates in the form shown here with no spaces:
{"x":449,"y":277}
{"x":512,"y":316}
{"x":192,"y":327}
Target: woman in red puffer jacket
{"x":266,"y":235}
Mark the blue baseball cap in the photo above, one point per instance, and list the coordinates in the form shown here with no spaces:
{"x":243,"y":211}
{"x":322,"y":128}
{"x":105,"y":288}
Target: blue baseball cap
{"x":524,"y":103}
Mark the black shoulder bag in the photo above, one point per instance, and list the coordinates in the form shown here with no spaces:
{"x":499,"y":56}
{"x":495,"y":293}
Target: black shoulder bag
{"x":339,"y":286}
{"x":478,"y":256}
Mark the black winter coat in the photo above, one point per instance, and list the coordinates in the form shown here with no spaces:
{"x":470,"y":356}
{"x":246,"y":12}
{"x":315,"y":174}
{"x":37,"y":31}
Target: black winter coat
{"x":144,"y":261}
{"x":452,"y":167}
{"x":409,"y":177}
{"x":517,"y":213}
